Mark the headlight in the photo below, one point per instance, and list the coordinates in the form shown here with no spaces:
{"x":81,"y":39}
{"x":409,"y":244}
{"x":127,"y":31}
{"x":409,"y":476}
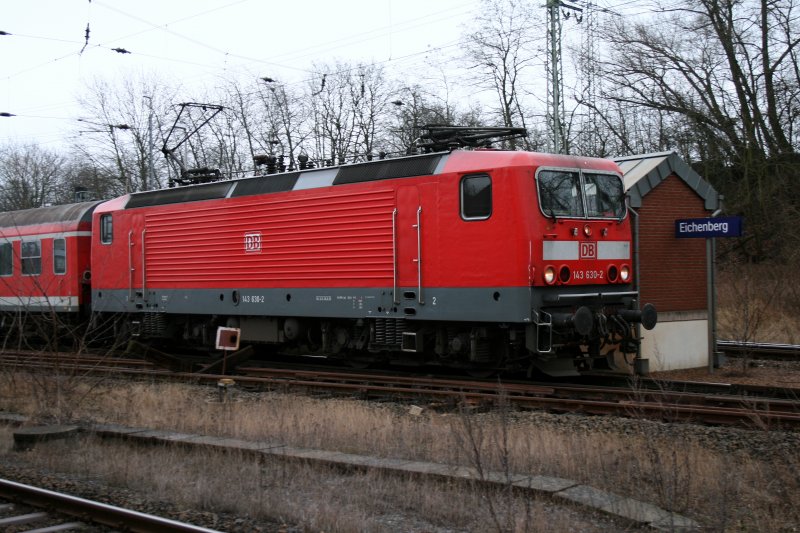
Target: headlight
{"x":549,"y":275}
{"x":625,"y":273}
{"x":613,"y":273}
{"x":564,"y":274}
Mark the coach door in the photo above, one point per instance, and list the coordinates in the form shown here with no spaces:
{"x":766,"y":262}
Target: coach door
{"x":137,"y":276}
{"x":408,"y":245}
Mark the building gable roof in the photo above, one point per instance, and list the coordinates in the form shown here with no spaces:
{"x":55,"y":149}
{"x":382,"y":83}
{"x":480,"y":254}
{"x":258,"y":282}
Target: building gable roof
{"x":642,"y":173}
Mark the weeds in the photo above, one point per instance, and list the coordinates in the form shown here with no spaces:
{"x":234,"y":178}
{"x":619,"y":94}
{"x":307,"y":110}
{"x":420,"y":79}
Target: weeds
{"x":758,"y":303}
{"x":669,"y":466}
{"x":666,"y":465}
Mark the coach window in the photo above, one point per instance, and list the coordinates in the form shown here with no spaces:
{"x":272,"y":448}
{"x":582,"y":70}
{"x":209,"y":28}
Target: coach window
{"x":476,"y":197}
{"x":106,"y":229}
{"x":31,"y":258}
{"x":59,"y":256}
{"x":6,"y":259}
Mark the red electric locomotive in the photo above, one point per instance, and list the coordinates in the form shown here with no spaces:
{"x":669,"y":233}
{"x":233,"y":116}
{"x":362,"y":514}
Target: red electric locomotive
{"x":479,"y":259}
{"x":44,"y":263}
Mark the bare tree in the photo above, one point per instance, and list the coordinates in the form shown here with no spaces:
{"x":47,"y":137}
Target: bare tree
{"x":500,"y":52}
{"x":284,"y":116}
{"x":348,"y":102}
{"x":724,"y":79}
{"x":369,"y":95}
{"x":734,"y":83}
{"x":30,"y":176}
{"x":83,"y":181}
{"x":226,"y":147}
{"x":122,"y":130}
{"x":416,"y":107}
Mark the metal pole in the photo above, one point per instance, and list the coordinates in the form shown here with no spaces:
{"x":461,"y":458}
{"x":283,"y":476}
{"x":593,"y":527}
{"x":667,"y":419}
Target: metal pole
{"x":711,"y":293}
{"x":710,"y":299}
{"x":640,"y":365}
{"x":554,"y":32}
{"x":150,"y":178}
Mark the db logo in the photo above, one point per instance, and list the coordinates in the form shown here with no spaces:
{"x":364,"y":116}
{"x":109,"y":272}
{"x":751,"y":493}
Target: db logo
{"x":588,"y":250}
{"x":252,"y":242}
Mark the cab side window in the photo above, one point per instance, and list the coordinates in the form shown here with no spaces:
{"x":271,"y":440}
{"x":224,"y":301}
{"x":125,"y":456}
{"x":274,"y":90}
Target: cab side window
{"x":476,"y":197}
{"x":106,"y":229}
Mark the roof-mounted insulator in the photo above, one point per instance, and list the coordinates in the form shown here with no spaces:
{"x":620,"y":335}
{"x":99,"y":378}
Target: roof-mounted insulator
{"x":272,"y":164}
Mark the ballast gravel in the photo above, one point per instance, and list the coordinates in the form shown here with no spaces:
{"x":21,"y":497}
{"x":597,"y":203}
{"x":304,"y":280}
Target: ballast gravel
{"x":763,"y":444}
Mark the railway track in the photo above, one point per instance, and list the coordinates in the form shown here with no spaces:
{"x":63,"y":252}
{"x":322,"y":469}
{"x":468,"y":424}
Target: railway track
{"x":748,"y":406}
{"x":28,"y":506}
{"x":645,"y":400}
{"x":759,"y":350}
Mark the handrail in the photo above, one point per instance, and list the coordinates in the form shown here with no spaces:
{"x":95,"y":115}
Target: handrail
{"x":419,"y":253}
{"x":395,"y":299}
{"x":130,"y":265}
{"x":555,"y":298}
{"x":144,"y":270}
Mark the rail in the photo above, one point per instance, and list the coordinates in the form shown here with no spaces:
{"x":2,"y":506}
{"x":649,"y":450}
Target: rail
{"x":91,"y":511}
{"x":726,"y":405}
{"x":759,"y":349}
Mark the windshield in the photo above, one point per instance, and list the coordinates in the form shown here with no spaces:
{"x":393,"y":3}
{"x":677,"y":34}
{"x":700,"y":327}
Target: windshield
{"x":568,"y":193}
{"x":604,"y":196}
{"x":558,"y":191}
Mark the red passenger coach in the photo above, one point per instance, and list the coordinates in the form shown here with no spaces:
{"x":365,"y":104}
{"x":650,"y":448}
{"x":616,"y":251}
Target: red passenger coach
{"x":44,"y":259}
{"x":479,"y":259}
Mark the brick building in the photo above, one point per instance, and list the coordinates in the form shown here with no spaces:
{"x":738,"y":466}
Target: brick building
{"x":672,"y":272}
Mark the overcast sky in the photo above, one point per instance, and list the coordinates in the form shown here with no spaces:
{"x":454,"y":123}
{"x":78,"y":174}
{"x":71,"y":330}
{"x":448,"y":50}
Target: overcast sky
{"x":46,"y":60}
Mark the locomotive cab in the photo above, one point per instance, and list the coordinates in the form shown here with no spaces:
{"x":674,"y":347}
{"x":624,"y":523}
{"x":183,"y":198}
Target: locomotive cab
{"x":586,"y":304}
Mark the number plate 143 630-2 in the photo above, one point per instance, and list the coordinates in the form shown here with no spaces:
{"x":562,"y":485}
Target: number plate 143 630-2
{"x":588,"y":274}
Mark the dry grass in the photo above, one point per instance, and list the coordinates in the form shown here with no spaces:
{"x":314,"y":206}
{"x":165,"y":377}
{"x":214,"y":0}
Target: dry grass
{"x":665,"y":465}
{"x":759,"y":303}
{"x":643,"y":461}
{"x":318,"y":499}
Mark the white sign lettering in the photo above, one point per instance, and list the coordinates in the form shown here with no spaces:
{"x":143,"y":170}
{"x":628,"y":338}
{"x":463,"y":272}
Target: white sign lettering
{"x":696,"y":227}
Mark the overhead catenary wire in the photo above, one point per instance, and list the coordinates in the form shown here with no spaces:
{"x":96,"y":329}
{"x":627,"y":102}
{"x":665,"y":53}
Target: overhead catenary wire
{"x":85,"y":43}
{"x":293,"y":56}
{"x":395,"y":60}
{"x":307,"y":75}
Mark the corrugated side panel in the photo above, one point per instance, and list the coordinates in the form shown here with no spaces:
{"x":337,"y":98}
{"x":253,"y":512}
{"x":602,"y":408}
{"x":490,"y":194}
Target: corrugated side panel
{"x":337,"y":239}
